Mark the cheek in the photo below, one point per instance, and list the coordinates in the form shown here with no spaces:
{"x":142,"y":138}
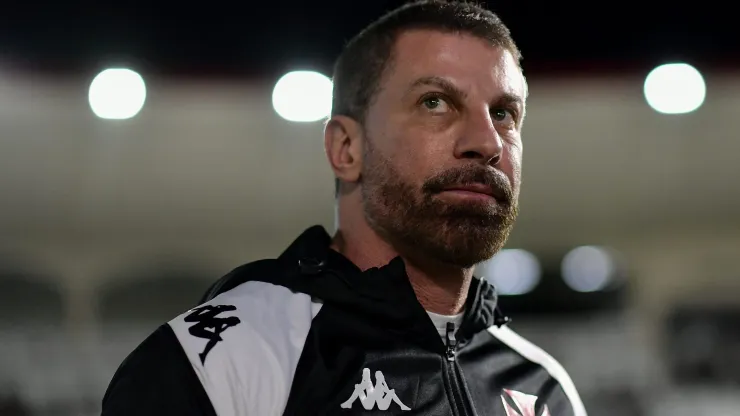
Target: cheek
{"x":512,"y":164}
{"x":415,"y":160}
{"x":411,"y":167}
{"x":394,"y":166}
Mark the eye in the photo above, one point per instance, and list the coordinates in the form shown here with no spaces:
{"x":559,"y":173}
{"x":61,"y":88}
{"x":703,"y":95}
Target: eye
{"x":435,"y":104}
{"x":503,"y":115}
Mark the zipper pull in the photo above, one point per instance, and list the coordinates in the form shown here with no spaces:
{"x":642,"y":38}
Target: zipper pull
{"x":451,"y":341}
{"x":499,"y":319}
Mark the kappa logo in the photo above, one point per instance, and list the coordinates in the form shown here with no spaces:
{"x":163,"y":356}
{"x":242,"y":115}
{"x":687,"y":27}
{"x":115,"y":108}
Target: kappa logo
{"x":520,"y":404}
{"x":370,"y":395}
{"x":208,"y":325}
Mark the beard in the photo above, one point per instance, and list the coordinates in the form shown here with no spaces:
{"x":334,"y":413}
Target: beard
{"x":413,"y":219}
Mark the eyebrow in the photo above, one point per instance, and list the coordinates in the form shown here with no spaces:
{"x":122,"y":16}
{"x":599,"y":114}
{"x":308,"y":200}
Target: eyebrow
{"x":449,"y":88}
{"x":441,"y":83}
{"x":509,"y":98}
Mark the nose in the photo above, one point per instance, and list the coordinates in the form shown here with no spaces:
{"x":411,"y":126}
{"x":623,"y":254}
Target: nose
{"x":480,"y":141}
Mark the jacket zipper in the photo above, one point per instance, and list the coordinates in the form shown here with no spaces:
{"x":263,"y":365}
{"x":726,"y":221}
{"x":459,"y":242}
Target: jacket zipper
{"x":456,"y":391}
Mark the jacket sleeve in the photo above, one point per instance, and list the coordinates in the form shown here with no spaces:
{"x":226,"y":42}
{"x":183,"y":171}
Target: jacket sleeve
{"x":157,"y":379}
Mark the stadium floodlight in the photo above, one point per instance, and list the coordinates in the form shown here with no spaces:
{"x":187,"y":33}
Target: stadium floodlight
{"x":676,"y":88}
{"x":302,"y":96}
{"x":117,"y":94}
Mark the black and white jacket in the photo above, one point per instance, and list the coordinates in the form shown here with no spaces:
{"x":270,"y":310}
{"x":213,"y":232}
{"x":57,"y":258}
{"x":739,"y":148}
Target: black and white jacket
{"x":310,"y":334}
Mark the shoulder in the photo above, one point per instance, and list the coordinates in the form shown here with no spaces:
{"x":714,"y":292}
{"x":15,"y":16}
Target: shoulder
{"x":233,"y":354}
{"x":537,"y":355}
{"x":251,"y":336}
{"x":250,"y":316}
{"x":158,"y":361}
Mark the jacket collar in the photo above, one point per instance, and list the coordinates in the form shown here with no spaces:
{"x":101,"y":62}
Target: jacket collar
{"x":383,"y":293}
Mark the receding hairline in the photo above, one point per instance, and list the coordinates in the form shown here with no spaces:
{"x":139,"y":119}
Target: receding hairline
{"x":493,"y":40}
{"x":390,"y":62}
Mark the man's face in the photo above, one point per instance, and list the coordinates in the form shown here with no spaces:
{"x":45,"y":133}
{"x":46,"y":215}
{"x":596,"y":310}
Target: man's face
{"x":442,"y":152}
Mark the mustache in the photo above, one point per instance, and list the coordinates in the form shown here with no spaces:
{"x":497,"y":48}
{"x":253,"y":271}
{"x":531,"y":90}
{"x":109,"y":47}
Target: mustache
{"x":469,"y":175}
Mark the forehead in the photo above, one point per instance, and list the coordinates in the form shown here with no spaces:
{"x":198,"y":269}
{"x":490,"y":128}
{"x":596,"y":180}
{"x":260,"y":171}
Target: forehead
{"x":468,"y":61}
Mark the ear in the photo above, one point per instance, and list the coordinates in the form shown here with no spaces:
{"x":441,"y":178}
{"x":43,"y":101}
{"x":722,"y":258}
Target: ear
{"x":343,"y":144}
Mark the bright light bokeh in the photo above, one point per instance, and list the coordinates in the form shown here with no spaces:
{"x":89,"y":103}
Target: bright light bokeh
{"x":512,"y":271}
{"x":588,"y":269}
{"x":302,"y":96}
{"x":675,"y":89}
{"x":117,"y":94}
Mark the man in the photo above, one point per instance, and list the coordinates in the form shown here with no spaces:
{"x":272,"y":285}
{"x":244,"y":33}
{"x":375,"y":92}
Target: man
{"x":424,"y":140}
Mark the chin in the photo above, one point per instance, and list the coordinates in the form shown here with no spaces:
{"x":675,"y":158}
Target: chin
{"x":467,"y":259}
{"x":467,"y":247}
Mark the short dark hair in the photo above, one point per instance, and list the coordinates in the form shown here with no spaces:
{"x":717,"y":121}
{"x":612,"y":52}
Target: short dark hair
{"x":361,"y":65}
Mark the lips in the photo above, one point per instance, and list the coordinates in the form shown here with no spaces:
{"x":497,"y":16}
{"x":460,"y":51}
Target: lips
{"x":477,"y":188}
{"x":472,"y":182}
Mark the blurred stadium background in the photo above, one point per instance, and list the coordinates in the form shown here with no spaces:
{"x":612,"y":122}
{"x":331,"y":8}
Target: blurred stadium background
{"x":123,"y":198}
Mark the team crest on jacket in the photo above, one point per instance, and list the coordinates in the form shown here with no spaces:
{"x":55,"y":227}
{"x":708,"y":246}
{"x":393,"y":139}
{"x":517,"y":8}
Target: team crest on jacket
{"x":520,"y":404}
{"x":379,"y":395}
{"x":208,"y":325}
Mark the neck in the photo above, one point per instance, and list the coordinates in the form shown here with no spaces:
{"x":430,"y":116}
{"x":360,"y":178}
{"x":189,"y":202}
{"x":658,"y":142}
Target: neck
{"x":440,"y":288}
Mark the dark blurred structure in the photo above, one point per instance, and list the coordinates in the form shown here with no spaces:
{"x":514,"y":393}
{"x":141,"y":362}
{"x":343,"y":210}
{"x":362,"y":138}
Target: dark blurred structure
{"x":11,"y":405}
{"x":704,"y":345}
{"x":267,"y":40}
